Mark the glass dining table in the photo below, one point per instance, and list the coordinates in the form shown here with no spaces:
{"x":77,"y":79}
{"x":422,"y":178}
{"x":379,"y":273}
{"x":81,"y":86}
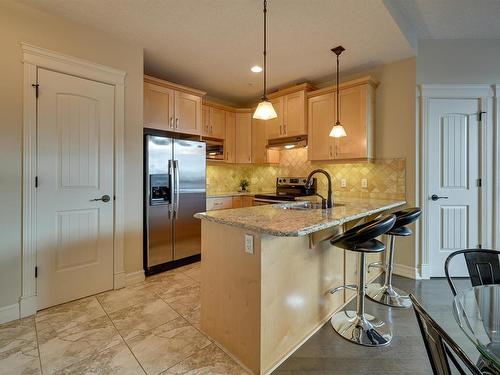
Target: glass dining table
{"x":477,"y":312}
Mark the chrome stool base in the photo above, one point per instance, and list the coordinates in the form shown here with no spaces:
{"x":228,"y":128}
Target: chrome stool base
{"x":388,"y":295}
{"x":363,"y":330}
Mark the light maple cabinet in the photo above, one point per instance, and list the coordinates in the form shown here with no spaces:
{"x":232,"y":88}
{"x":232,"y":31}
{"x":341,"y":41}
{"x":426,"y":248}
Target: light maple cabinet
{"x":357,"y":106}
{"x":172,"y":107}
{"x":214,"y":122}
{"x":260,"y":153}
{"x":243,"y":137}
{"x":290,"y":105}
{"x":230,"y":139}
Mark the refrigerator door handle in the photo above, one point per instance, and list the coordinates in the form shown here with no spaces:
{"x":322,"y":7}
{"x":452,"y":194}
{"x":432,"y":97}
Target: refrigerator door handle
{"x":171,"y":177}
{"x":177,"y":187}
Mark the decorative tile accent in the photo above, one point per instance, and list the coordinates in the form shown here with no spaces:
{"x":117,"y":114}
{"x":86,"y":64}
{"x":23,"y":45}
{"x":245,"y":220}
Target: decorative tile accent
{"x":386,"y":178}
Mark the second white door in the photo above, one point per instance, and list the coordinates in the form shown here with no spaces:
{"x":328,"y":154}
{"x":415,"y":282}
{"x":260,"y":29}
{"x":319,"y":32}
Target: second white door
{"x":453,"y":161}
{"x":75,"y":188}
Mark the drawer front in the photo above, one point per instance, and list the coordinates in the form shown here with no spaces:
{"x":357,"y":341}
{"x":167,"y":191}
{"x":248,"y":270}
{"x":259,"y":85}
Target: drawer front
{"x":219,"y":203}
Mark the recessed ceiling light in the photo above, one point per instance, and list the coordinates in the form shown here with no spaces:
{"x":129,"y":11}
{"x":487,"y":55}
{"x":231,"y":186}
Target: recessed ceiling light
{"x":256,"y":69}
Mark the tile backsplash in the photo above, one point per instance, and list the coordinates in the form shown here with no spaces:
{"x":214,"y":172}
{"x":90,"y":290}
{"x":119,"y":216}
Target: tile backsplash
{"x":385,"y":178}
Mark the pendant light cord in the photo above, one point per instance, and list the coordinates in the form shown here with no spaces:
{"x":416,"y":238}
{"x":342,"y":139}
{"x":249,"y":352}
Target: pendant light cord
{"x":264,"y":97}
{"x":338,"y":93}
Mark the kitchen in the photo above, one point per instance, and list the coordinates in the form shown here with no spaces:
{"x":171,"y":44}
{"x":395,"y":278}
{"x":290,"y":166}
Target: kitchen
{"x":248,"y":187}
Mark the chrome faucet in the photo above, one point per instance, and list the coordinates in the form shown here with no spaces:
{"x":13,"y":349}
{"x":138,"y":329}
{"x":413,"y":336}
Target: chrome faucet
{"x":328,"y":202}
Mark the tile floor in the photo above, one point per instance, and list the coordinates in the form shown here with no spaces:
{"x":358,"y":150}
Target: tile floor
{"x":147,"y":328}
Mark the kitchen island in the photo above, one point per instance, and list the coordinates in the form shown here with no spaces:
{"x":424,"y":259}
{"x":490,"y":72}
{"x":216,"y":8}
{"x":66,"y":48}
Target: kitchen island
{"x":267,"y":271}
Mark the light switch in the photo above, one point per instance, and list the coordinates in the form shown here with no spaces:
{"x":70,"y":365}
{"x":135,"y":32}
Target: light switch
{"x":343,"y":183}
{"x":249,"y":243}
{"x":364,"y":183}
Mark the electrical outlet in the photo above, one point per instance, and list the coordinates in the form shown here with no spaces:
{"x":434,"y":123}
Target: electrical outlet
{"x":364,"y":183}
{"x":343,"y":183}
{"x":249,"y":243}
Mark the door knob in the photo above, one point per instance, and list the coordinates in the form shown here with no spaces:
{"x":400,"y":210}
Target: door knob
{"x":104,"y":198}
{"x":434,"y":197}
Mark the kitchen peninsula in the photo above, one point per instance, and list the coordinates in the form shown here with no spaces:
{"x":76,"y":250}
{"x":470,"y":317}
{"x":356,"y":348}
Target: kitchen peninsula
{"x":267,"y":271}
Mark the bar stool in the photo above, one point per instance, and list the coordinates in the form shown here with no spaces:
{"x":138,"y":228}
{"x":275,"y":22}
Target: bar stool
{"x":356,"y":326}
{"x":387,"y":294}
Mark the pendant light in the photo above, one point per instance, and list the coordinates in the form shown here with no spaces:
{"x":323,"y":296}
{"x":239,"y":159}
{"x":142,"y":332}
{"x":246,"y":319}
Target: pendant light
{"x":337,"y":129}
{"x":265,"y":109}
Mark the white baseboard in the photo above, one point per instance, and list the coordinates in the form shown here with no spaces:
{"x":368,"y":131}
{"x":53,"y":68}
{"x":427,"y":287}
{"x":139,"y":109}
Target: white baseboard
{"x":27,"y":306}
{"x":425,"y":271}
{"x":135,"y":277}
{"x":405,"y":271}
{"x":120,"y":280}
{"x":9,"y":313}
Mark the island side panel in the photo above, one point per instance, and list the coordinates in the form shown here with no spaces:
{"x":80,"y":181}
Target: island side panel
{"x":230,"y":292}
{"x":295,"y":291}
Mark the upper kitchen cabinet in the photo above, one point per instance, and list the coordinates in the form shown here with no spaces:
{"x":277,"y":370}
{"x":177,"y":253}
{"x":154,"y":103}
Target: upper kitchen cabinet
{"x":214,"y":120}
{"x":243,"y":137}
{"x":291,"y":107}
{"x":260,"y":153}
{"x":172,"y":107}
{"x":357,"y":108}
{"x":230,"y":139}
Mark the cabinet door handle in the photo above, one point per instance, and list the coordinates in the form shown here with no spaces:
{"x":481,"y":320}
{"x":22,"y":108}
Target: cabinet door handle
{"x":171,"y":122}
{"x":176,"y":123}
{"x":284,"y":129}
{"x":281,"y":132}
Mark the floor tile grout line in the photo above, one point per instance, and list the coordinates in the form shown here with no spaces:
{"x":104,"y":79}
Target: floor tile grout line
{"x":123,"y":339}
{"x":38,"y":344}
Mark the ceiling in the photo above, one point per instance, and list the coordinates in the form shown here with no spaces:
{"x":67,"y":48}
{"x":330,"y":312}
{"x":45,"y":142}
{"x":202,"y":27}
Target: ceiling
{"x":211,"y":44}
{"x":447,"y":19}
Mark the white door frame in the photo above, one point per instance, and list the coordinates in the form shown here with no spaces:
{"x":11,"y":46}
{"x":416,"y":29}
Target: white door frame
{"x":34,"y":58}
{"x":462,"y":91}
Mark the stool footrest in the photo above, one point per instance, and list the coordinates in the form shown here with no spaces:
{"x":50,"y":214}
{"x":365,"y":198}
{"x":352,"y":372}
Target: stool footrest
{"x":342,"y":287}
{"x":376,"y":265}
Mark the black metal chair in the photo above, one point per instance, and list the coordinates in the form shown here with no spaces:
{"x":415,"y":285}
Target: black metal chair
{"x":483,"y":266}
{"x":357,"y":326}
{"x":441,"y":348}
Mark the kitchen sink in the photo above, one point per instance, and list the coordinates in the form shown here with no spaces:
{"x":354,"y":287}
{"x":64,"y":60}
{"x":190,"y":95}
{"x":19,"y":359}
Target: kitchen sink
{"x":305,"y":206}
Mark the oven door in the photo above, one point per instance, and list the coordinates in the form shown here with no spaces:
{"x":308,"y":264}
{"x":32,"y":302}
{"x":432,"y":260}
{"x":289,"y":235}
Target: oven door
{"x":215,"y":150}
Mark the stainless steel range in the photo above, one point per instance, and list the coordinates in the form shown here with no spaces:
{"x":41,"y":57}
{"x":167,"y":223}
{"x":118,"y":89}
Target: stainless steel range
{"x":287,"y":189}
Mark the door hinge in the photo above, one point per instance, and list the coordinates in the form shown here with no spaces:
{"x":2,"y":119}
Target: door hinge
{"x":480,"y":115}
{"x":479,"y":182}
{"x":36,"y":85}
{"x":36,"y":181}
{"x":36,"y":271}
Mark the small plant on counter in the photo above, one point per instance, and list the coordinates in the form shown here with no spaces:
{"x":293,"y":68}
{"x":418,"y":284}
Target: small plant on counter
{"x":244,"y":184}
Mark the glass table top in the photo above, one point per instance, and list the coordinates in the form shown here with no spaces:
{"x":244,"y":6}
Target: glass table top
{"x":477,"y":311}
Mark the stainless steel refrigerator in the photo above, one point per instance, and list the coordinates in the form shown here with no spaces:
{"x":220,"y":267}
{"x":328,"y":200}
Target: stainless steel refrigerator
{"x":174,"y":191}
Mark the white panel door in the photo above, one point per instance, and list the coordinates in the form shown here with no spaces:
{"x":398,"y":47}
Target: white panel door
{"x":453,"y":160}
{"x":75,"y":166}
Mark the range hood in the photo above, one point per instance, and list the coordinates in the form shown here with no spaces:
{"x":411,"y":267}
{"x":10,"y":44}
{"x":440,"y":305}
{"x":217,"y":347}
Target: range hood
{"x":287,"y":143}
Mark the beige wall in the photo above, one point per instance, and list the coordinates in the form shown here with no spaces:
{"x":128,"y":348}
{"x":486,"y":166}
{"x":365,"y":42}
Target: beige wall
{"x":395,"y":131}
{"x":22,"y":24}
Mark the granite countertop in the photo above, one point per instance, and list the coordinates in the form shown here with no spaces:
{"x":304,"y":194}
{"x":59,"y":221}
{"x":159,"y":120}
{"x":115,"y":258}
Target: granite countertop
{"x":273,"y":219}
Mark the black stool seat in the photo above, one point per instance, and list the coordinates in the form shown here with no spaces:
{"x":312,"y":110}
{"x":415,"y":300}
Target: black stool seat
{"x":403,"y":218}
{"x":387,"y":294}
{"x":361,"y":238}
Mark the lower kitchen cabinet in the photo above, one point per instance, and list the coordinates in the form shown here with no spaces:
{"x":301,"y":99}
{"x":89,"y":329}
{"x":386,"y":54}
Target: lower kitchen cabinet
{"x":224,"y":203}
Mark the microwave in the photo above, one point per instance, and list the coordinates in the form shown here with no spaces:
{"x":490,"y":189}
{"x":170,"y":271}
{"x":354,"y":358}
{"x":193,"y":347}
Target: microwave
{"x":215,"y":149}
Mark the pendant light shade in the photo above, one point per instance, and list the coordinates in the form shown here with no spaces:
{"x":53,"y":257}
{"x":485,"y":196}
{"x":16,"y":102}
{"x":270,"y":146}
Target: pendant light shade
{"x":338,"y":130}
{"x":265,"y":109}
